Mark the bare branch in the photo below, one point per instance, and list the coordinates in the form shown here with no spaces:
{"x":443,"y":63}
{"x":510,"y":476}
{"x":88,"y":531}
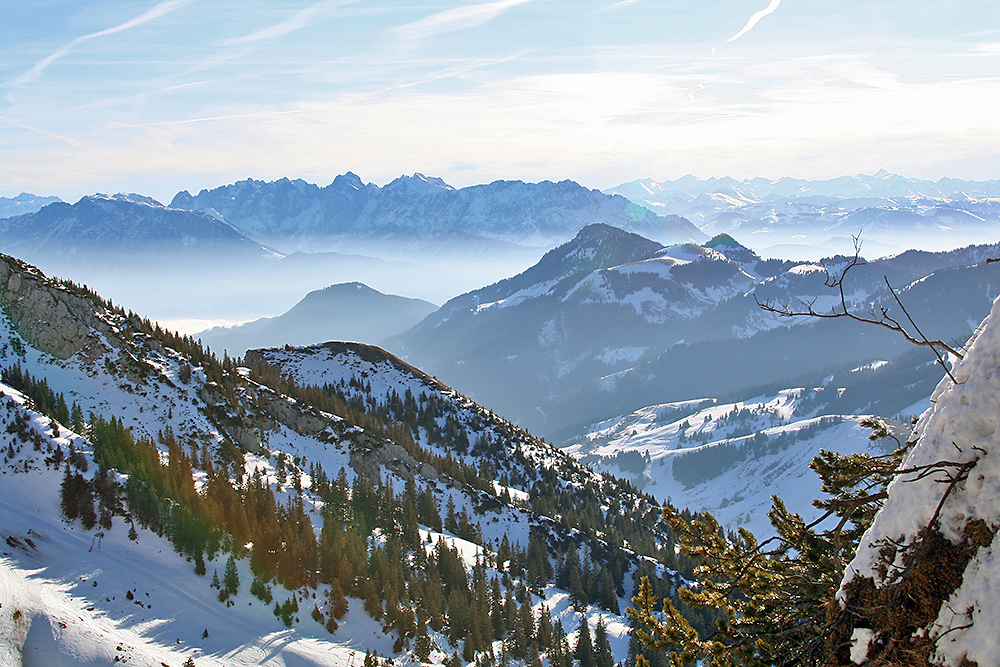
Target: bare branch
{"x":881,"y":319}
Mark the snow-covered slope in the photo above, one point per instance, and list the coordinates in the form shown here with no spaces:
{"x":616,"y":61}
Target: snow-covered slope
{"x":130,"y":588}
{"x":72,"y":596}
{"x":726,"y":458}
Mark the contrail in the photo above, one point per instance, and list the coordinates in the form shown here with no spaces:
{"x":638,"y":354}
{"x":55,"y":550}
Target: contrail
{"x":154,"y":13}
{"x":697,"y":89}
{"x":754,"y":20}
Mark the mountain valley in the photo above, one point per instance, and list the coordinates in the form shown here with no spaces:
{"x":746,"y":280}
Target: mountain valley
{"x":303,"y":497}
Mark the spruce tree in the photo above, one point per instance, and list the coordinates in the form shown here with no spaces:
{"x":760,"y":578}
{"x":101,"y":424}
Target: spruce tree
{"x":603,"y":656}
{"x":584,"y":651}
{"x":422,"y":641}
{"x":231,"y":578}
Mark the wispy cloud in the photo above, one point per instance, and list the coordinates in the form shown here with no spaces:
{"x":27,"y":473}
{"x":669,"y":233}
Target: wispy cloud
{"x":756,"y":18}
{"x":156,"y":12}
{"x":300,"y":19}
{"x":450,"y":20}
{"x":52,"y":135}
{"x":458,"y":71}
{"x":622,"y":4}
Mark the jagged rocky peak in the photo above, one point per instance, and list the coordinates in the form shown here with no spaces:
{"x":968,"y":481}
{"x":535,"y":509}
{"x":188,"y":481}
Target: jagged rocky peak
{"x":349,"y":179}
{"x":418,"y":180}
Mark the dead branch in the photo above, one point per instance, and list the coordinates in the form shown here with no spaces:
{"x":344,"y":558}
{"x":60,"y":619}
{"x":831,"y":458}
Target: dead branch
{"x":881,"y":318}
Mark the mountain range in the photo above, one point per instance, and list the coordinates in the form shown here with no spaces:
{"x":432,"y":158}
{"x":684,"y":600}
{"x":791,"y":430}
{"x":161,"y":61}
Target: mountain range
{"x":420,"y":211}
{"x":571,"y":341}
{"x":262,"y":245}
{"x":802,"y":219}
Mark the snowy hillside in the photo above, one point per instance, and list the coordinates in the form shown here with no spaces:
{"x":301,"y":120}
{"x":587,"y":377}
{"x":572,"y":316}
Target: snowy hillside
{"x":726,"y":458}
{"x":193,"y":512}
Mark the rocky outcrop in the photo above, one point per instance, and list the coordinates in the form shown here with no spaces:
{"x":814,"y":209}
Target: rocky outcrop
{"x":369,"y":455}
{"x":51,"y":317}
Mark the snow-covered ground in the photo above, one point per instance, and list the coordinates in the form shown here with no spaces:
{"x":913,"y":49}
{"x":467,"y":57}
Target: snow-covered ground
{"x":780,"y":440}
{"x":71,"y":597}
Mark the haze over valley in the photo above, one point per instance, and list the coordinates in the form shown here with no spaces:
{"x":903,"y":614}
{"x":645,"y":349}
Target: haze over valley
{"x":499,"y":333}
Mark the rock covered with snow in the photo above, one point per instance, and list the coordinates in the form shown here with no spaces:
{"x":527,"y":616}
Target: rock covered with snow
{"x":947,"y":508}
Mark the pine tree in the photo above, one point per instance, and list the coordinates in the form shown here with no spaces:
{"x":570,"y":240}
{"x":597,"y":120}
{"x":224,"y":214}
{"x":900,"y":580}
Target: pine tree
{"x":422,"y":641}
{"x":231,"y":578}
{"x":336,"y":599}
{"x":775,"y":604}
{"x":584,"y":651}
{"x":603,"y":656}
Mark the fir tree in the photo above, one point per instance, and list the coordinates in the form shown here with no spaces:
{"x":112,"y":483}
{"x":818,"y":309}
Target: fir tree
{"x":584,"y":651}
{"x":603,"y":656}
{"x":231,"y":578}
{"x":422,"y":641}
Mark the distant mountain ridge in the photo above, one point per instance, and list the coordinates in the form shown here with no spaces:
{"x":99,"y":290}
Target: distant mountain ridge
{"x":610,"y":322}
{"x":296,"y":215}
{"x":23,"y":203}
{"x":102,"y":224}
{"x":781,"y":217}
{"x":882,"y":184}
{"x":343,"y":312}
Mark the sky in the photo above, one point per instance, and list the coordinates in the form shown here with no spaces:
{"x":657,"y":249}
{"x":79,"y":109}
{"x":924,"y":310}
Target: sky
{"x":158,"y":96}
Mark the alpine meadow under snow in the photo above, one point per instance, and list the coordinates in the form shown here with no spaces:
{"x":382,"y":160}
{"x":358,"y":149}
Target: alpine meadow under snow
{"x":355,"y":478}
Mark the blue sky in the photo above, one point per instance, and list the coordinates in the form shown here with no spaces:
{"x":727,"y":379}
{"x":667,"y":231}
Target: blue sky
{"x":155,"y":97}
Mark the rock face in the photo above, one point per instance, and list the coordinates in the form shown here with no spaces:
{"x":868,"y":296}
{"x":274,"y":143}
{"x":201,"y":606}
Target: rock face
{"x":52,"y":318}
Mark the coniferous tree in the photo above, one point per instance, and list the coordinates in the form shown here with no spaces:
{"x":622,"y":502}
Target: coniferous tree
{"x":775,"y":604}
{"x":603,"y":656}
{"x":422,"y":641}
{"x":336,"y":599}
{"x":584,"y":651}
{"x":231,"y":578}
